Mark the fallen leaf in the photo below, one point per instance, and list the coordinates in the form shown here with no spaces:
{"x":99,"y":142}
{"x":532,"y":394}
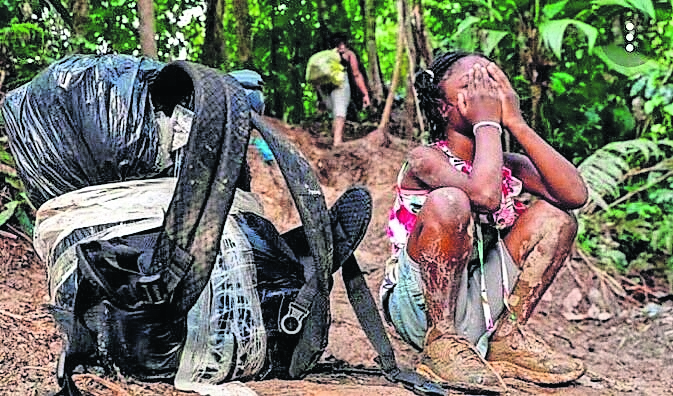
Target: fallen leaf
{"x":572,"y":299}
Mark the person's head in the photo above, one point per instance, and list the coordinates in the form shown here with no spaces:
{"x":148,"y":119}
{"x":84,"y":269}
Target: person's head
{"x":338,"y":40}
{"x":437,"y":89}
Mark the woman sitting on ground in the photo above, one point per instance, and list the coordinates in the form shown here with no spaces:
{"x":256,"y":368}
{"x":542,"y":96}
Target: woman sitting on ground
{"x":470,"y":261}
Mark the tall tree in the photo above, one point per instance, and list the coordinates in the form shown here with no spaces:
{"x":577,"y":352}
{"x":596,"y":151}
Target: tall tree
{"x":80,"y":16}
{"x":410,"y":102}
{"x":420,"y":34}
{"x":373,"y":69}
{"x":382,"y":130}
{"x":243,"y":37}
{"x":148,"y":45}
{"x":214,"y":53}
{"x":274,"y":49}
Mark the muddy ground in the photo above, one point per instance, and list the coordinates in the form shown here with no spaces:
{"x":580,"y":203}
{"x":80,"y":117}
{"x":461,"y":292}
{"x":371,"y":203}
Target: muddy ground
{"x":627,"y":347}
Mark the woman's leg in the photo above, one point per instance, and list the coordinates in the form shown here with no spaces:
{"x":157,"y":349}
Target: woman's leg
{"x":539,"y":243}
{"x":340,"y":98}
{"x":441,"y":244}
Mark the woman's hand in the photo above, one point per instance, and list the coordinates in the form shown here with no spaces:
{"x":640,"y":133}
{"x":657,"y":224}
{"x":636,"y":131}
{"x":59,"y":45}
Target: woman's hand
{"x":511,"y":113}
{"x":480,"y":101}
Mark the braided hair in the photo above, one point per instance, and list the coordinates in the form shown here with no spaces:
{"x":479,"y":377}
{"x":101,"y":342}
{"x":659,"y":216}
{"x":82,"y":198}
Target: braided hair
{"x":429,"y":94}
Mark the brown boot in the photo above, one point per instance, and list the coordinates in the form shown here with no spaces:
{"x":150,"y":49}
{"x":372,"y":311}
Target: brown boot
{"x":526,"y":357}
{"x":453,"y":360}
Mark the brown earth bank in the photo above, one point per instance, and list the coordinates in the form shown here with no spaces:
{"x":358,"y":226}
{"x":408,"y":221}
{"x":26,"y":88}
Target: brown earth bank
{"x":628,"y":348}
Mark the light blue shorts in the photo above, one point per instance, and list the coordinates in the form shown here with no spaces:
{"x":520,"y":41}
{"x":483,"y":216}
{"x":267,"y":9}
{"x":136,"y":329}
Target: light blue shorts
{"x":406,"y":302}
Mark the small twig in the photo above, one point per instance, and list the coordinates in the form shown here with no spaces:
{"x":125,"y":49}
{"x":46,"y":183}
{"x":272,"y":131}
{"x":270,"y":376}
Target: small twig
{"x":571,"y":269}
{"x":106,"y":383}
{"x":11,"y":315}
{"x":22,"y":235}
{"x":6,"y":234}
{"x":555,"y":334}
{"x":37,"y":368}
{"x":641,"y":189}
{"x":612,"y":283}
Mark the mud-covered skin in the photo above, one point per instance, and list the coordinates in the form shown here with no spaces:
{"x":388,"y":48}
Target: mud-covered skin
{"x":468,"y":90}
{"x":539,"y":243}
{"x":442,"y":255}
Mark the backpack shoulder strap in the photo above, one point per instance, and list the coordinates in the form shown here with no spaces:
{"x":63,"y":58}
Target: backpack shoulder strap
{"x":312,"y":302}
{"x":214,"y":156}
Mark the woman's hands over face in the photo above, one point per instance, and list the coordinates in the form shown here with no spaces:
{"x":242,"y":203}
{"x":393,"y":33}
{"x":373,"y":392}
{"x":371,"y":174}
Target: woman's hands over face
{"x":511,"y":113}
{"x":480,"y":100}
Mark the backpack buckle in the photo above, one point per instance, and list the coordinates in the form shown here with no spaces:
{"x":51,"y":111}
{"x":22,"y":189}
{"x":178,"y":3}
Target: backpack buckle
{"x":149,"y":290}
{"x":295,"y":314}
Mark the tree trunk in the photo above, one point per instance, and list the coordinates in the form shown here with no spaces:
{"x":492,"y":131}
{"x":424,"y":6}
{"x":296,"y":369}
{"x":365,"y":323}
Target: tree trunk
{"x":382,"y":129}
{"x":243,"y":37}
{"x":373,"y":70}
{"x":148,"y":46}
{"x":214,"y":54}
{"x":274,"y":49}
{"x":421,"y":36}
{"x":323,"y":30}
{"x":80,"y":16}
{"x":410,"y":100}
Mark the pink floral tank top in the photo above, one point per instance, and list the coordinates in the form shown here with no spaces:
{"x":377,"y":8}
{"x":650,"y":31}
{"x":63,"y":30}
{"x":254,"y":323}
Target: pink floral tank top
{"x":408,"y":203}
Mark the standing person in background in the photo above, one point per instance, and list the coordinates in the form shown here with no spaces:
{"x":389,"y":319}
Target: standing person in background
{"x":470,"y":261}
{"x":338,"y":98}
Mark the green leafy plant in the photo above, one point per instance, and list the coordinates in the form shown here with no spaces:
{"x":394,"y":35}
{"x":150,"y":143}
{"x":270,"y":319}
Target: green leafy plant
{"x":628,"y":222}
{"x":14,"y":203}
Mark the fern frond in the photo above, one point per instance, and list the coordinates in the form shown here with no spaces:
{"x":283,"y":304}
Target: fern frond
{"x":662,"y":236}
{"x":606,"y":169}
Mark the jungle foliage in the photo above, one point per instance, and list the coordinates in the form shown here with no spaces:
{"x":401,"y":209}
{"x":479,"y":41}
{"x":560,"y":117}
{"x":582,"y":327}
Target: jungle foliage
{"x":607,"y":109}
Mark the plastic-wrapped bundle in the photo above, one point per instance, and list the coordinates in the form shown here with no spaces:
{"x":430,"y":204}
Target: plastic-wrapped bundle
{"x":63,"y":222}
{"x":226,"y":339}
{"x":85,"y":120}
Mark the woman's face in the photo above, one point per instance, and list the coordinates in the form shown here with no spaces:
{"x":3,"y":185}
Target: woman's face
{"x":453,"y":82}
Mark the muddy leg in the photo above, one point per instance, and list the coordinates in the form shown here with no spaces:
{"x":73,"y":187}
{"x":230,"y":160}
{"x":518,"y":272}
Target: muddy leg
{"x":539,"y":243}
{"x":441,"y":243}
{"x":338,"y":130}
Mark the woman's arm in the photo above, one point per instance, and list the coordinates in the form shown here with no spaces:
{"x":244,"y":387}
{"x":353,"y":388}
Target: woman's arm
{"x":429,"y":166}
{"x":359,"y":80}
{"x":545,"y":172}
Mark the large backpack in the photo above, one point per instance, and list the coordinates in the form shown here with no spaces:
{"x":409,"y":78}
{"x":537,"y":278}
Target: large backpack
{"x":131,"y":294}
{"x":325,"y":68}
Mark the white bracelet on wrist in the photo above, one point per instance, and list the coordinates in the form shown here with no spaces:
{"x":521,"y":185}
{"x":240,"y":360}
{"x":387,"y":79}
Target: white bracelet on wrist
{"x":487,"y":123}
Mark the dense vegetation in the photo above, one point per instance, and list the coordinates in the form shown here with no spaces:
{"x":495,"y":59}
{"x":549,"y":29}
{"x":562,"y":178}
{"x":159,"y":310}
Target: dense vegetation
{"x":595,"y":79}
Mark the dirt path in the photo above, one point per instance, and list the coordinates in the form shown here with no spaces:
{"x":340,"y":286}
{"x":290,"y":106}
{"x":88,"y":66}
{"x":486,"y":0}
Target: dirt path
{"x":629,"y":353}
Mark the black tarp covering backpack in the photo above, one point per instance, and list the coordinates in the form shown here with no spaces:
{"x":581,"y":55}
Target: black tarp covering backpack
{"x":133,"y":292}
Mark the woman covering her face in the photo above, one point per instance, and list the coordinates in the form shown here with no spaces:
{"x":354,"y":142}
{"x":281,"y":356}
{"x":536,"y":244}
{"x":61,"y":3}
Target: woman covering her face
{"x":470,"y":261}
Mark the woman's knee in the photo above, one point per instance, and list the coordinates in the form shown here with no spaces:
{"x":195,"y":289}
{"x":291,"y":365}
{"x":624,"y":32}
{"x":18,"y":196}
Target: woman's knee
{"x":551,"y":217}
{"x":443,"y":230}
{"x":447,"y":207}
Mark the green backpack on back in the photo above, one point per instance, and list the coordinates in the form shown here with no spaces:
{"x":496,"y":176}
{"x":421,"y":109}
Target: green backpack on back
{"x":325,"y":68}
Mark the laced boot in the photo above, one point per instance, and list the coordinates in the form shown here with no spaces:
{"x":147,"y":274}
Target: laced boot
{"x":526,"y":357}
{"x":454,"y":361}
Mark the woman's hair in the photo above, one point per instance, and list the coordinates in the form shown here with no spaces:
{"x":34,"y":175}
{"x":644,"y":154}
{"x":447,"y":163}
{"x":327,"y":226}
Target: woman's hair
{"x":429,"y":94}
{"x":338,"y":38}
